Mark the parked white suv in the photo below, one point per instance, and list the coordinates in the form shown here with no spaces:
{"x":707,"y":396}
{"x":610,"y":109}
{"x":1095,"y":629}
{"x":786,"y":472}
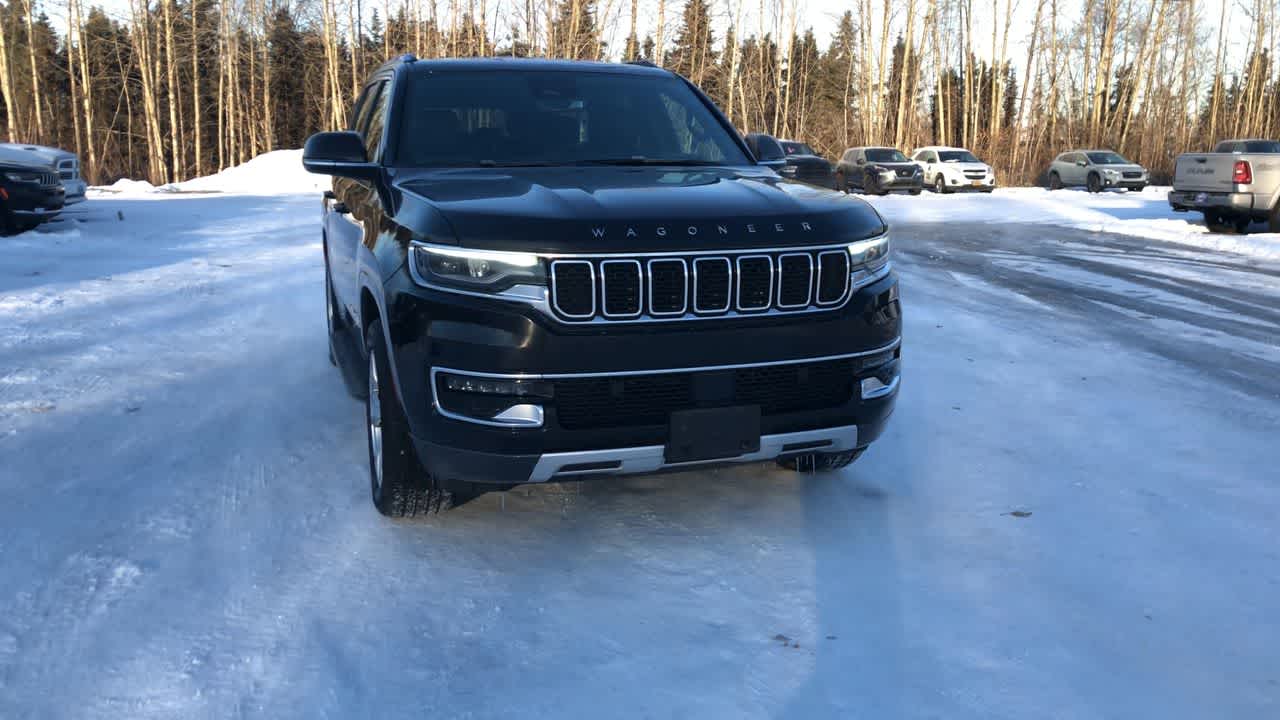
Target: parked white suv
{"x":67,"y":164}
{"x":948,"y":169}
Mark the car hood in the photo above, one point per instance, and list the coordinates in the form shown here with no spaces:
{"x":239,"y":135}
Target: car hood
{"x":893,"y":165}
{"x":575,"y":209}
{"x":21,"y":157}
{"x":808,"y":161}
{"x":962,"y":166}
{"x":1133,"y":167}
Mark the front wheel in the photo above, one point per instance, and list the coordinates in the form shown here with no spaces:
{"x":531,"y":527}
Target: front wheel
{"x":820,"y":462}
{"x":939,"y":185}
{"x":1242,"y":224}
{"x":1094,"y":184}
{"x":399,"y":485}
{"x":1138,"y":188}
{"x":1273,"y":221}
{"x":869,"y":187}
{"x":842,"y":183}
{"x":1055,"y":181}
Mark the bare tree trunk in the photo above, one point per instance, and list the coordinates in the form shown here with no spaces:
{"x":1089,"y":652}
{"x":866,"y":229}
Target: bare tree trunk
{"x":906,"y":79}
{"x":90,"y":166}
{"x":660,"y":47}
{"x":36,"y":97}
{"x":6,"y":87}
{"x":197,"y":127}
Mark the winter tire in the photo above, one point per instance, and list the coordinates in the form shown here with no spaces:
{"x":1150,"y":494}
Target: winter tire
{"x":1216,"y":222}
{"x":1273,"y":222}
{"x":399,"y":485}
{"x":1094,"y":183}
{"x":940,"y":185}
{"x":1242,"y":224}
{"x":330,"y":314}
{"x":1055,"y":182}
{"x":820,"y":462}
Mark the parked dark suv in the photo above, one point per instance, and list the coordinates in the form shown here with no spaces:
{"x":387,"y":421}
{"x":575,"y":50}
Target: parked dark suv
{"x":542,"y":271}
{"x":30,"y":193}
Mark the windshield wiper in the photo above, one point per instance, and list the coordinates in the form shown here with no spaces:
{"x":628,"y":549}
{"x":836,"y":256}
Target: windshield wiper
{"x":640,"y":160}
{"x":517,"y":163}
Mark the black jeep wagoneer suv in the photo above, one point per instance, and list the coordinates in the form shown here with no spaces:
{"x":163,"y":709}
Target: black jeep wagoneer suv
{"x":542,"y":271}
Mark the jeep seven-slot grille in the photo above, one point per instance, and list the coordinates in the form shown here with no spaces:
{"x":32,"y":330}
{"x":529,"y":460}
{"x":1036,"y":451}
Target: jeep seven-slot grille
{"x":665,"y":287}
{"x":639,"y":400}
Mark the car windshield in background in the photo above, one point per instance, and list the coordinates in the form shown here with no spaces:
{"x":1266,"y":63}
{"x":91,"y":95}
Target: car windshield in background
{"x":1107,"y":158}
{"x":886,"y":155}
{"x":957,"y":156}
{"x":795,"y":148}
{"x":548,"y":117}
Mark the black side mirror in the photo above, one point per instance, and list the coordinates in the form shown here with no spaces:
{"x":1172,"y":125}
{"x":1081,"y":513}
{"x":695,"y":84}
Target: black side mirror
{"x":1082,"y":163}
{"x":340,"y":154}
{"x":862,"y":161}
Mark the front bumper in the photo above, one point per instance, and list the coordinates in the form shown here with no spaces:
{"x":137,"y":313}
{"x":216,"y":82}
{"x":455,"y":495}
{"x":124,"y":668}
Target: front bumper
{"x":34,"y":202}
{"x":961,"y":184}
{"x":1233,"y":202}
{"x":894,"y":182}
{"x":488,"y":338}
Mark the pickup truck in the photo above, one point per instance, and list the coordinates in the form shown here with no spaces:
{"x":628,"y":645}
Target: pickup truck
{"x":1236,"y":184}
{"x":542,"y":270}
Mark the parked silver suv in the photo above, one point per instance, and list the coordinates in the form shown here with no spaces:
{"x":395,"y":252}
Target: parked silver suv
{"x":1096,"y":170}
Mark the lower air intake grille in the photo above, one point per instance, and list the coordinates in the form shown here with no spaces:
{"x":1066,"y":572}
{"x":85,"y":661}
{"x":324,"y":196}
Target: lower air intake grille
{"x":639,"y":400}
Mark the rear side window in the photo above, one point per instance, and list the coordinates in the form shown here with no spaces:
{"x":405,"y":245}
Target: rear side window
{"x":1261,"y":146}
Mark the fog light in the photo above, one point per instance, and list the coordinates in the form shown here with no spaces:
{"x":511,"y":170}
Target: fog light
{"x":501,"y":402}
{"x":874,"y":387}
{"x":494,"y":386}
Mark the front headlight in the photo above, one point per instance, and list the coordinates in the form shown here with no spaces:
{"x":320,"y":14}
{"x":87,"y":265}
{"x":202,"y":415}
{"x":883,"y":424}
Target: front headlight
{"x":870,"y":254}
{"x":1112,"y":173}
{"x":23,"y":177}
{"x":482,"y":270}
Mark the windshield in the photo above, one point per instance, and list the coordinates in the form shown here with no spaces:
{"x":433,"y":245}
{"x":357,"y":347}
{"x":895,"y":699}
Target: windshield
{"x":957,"y":156}
{"x":1107,"y":158}
{"x":886,"y":155}
{"x":797,"y":148}
{"x":548,"y":117}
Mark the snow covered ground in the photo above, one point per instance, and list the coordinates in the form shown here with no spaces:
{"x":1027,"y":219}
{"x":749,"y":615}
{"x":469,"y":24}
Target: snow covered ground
{"x":1140,"y":214}
{"x":1072,"y":515}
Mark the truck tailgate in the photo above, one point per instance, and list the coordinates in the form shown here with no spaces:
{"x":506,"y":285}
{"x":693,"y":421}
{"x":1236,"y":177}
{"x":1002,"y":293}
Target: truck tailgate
{"x":1206,"y":172}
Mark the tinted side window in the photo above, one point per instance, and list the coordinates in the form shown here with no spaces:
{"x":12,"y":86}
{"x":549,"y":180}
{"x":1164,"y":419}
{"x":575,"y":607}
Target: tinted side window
{"x":371,"y":125}
{"x":770,"y":149}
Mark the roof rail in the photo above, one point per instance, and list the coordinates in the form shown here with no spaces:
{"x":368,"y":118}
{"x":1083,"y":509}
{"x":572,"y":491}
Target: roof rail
{"x":646,"y":62}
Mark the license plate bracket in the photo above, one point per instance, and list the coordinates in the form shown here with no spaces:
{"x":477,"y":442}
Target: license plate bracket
{"x":713,"y":433}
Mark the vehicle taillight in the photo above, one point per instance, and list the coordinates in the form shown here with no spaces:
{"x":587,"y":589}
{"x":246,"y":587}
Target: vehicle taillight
{"x":1242,"y":174}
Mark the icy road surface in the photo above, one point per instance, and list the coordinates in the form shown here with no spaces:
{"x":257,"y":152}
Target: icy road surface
{"x":1073,"y":515}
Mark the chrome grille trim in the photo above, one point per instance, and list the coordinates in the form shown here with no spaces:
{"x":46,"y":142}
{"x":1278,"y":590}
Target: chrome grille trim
{"x":768,"y":296}
{"x":604,"y":290}
{"x":591,"y":273}
{"x":808,"y":298}
{"x":684,"y":270}
{"x":728,"y":290}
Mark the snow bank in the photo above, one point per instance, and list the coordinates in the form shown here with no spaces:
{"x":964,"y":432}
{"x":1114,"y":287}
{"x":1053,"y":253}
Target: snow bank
{"x":1141,"y":214}
{"x":278,"y":172}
